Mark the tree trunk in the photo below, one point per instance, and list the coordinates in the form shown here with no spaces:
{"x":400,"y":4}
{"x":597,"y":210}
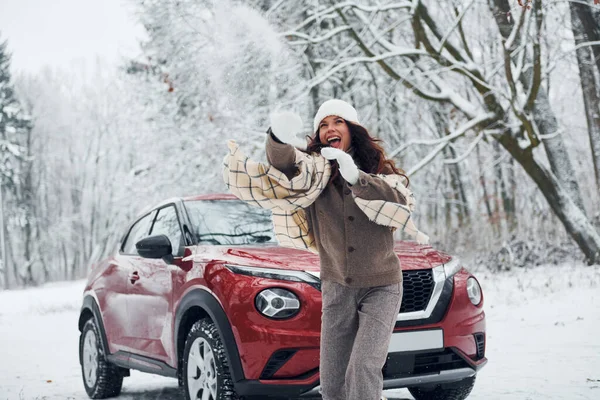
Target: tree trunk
{"x":12,"y":260}
{"x":65,"y":261}
{"x":458,"y":190}
{"x":27,"y":201}
{"x":590,"y":23}
{"x":504,"y":210}
{"x":465,"y":213}
{"x":575,"y":222}
{"x":509,"y":205}
{"x":37,"y":212}
{"x":589,"y":89}
{"x":556,"y":150}
{"x":4,"y":258}
{"x":486,"y":198}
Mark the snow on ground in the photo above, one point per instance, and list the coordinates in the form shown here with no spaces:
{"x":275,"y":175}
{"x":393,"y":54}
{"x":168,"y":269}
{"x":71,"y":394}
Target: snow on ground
{"x":543,"y":340}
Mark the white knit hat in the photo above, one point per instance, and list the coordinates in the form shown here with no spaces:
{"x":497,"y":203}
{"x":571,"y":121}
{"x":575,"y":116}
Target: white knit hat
{"x":335,"y":107}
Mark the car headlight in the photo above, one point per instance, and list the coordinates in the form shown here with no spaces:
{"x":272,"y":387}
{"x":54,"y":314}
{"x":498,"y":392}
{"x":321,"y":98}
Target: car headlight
{"x":474,"y":291}
{"x":279,"y":274}
{"x":277,"y":303}
{"x":452,"y":267}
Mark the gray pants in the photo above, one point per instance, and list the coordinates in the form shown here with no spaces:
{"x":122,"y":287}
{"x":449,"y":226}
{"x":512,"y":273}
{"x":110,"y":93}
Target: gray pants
{"x":356,"y":328}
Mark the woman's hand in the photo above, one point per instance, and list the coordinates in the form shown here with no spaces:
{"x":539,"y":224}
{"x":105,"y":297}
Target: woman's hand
{"x":285,"y":125}
{"x":348,"y":169}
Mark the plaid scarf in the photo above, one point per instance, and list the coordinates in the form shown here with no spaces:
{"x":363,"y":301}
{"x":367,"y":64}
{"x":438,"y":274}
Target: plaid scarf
{"x":264,"y":186}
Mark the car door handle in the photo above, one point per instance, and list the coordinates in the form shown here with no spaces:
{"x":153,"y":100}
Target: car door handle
{"x":134,"y":277}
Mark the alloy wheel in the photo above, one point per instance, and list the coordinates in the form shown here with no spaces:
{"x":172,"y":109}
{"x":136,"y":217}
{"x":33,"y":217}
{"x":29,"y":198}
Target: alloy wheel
{"x":201,"y":371}
{"x":90,"y":358}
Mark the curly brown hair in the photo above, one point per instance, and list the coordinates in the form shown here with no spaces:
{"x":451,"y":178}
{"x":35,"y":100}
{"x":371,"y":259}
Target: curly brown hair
{"x":367,"y":152}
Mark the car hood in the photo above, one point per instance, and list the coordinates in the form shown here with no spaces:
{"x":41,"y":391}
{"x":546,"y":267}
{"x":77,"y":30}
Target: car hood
{"x":412,"y":256}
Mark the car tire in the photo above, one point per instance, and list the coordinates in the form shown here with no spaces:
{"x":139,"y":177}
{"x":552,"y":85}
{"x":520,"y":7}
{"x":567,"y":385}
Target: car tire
{"x":100,"y":378}
{"x":205,"y":366}
{"x":450,"y":391}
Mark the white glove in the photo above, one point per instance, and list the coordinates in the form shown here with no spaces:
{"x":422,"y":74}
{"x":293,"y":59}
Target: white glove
{"x":348,"y":169}
{"x":285,"y":125}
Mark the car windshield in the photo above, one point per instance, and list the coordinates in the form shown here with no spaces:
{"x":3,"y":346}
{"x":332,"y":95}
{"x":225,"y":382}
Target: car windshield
{"x":229,"y":222}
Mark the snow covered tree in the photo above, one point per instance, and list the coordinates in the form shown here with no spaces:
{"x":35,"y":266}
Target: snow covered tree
{"x":585,"y":23}
{"x":469,"y":97}
{"x":15,"y":161}
{"x":90,"y":145}
{"x":211,"y":71}
{"x":494,"y":90}
{"x":214,"y":71}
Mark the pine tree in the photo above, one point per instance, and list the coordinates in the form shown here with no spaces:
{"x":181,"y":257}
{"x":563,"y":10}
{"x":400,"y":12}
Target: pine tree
{"x":15,"y":130}
{"x":11,"y":122}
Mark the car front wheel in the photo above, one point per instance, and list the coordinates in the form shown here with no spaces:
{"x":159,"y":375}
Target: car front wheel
{"x":449,"y":391}
{"x":205,"y":372}
{"x":100,"y":378}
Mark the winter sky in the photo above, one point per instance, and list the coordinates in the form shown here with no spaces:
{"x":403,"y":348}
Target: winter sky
{"x":60,"y":33}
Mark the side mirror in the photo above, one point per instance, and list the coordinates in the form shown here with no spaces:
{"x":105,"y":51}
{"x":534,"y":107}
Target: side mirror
{"x":158,"y":246}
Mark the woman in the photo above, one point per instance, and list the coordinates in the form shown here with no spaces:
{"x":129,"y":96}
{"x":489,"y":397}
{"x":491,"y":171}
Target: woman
{"x":360,"y":272}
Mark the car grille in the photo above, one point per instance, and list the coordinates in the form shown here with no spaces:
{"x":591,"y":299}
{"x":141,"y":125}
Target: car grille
{"x":400,"y":365}
{"x":418,"y":286}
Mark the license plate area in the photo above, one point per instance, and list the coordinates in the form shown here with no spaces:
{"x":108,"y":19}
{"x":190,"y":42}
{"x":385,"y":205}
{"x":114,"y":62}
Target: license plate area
{"x":431,"y":339}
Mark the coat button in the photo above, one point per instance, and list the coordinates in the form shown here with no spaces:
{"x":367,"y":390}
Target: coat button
{"x":347,"y":191}
{"x":348,"y":280}
{"x":351,"y":218}
{"x":350,"y":249}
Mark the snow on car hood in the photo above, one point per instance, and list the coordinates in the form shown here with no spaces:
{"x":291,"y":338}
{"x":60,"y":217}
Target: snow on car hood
{"x":412,"y":256}
{"x":415,"y":256}
{"x":265,"y":255}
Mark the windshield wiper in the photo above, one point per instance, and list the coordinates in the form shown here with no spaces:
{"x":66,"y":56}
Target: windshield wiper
{"x":261,"y":238}
{"x":248,"y":236}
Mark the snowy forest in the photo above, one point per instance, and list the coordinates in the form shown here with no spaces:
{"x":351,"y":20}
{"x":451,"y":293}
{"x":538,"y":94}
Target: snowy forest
{"x":492,"y":107}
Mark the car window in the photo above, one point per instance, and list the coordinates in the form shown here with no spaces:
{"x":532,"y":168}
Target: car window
{"x":137,"y":232}
{"x":167,"y":223}
{"x":229,"y":222}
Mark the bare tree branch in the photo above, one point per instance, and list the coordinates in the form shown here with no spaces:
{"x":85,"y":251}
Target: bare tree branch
{"x":471,"y":147}
{"x":457,"y":25}
{"x":340,"y":6}
{"x":427,"y":159}
{"x":311,"y":40}
{"x":481,"y":119}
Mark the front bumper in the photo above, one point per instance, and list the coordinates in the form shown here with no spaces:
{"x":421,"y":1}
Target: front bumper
{"x":458,"y":356}
{"x":448,"y":376}
{"x":406,"y":369}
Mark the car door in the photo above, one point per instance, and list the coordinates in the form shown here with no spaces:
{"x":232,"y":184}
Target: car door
{"x":151,"y":292}
{"x":113,"y":299}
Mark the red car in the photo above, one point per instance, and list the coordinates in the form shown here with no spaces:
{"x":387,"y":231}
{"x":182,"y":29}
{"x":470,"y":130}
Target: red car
{"x":199,"y":290}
